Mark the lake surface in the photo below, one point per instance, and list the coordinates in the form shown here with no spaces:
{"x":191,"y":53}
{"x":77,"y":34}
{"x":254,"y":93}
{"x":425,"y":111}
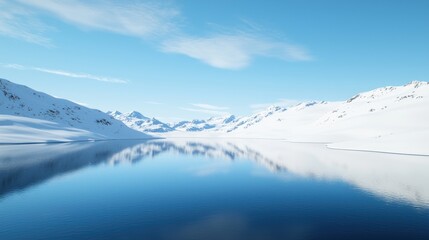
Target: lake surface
{"x":210,"y":189}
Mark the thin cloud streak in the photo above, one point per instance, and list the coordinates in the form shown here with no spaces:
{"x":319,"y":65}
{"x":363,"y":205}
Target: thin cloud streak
{"x":66,"y":73}
{"x":80,"y":75}
{"x":14,"y":66}
{"x":209,"y":106}
{"x":206,"y":111}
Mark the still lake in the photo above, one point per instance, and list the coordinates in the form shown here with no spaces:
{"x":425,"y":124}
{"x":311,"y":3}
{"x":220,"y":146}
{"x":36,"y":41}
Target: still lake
{"x":210,"y":189}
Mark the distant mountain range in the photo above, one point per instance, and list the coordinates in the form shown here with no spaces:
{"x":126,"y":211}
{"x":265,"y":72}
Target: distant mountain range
{"x":139,"y":122}
{"x":226,"y":123}
{"x":320,"y":115}
{"x":390,"y":119}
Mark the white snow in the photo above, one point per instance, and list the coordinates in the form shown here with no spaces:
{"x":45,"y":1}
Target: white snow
{"x":30,"y":116}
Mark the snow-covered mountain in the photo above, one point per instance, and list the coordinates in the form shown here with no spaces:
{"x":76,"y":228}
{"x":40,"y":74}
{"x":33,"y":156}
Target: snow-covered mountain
{"x":246,"y":122}
{"x":380,"y":100}
{"x":27,"y":115}
{"x":139,"y":122}
{"x":211,"y":124}
{"x":401,"y":112}
{"x":388,"y":119}
{"x":230,"y":125}
{"x":219,"y":125}
{"x":278,"y":122}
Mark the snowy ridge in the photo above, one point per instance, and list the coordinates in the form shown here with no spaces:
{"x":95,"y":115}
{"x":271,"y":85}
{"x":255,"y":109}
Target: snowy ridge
{"x":211,"y":124}
{"x":392,"y":119}
{"x":282,"y":123}
{"x":224,"y":124}
{"x":246,"y":122}
{"x":378,"y":100}
{"x":27,"y":115}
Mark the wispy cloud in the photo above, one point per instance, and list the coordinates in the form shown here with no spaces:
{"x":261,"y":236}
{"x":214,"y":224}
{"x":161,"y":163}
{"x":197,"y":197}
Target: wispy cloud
{"x":155,"y":20}
{"x":66,"y":73}
{"x":80,"y":75}
{"x":281,"y":102}
{"x":207,"y":109}
{"x":134,"y":18}
{"x":21,"y":23}
{"x":22,"y":18}
{"x":234,"y":51}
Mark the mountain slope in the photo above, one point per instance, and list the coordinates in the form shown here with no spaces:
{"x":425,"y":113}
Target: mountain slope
{"x":389,"y":119}
{"x":283,"y":123}
{"x":27,"y":115}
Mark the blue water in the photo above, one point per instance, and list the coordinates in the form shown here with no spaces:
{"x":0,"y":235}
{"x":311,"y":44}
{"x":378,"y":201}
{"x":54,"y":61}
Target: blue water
{"x":192,"y":190}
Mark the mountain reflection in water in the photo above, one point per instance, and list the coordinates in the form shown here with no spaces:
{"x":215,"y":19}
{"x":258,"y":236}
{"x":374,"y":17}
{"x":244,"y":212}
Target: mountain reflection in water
{"x":392,"y":177}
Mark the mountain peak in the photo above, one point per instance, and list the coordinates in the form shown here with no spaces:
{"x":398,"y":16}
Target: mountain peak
{"x":114,"y":113}
{"x":139,"y":122}
{"x":135,"y":114}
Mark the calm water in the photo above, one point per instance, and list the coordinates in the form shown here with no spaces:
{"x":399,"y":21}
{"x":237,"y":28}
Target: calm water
{"x":201,"y":189}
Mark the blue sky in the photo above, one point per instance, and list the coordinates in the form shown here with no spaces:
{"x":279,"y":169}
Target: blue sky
{"x":192,"y":59}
